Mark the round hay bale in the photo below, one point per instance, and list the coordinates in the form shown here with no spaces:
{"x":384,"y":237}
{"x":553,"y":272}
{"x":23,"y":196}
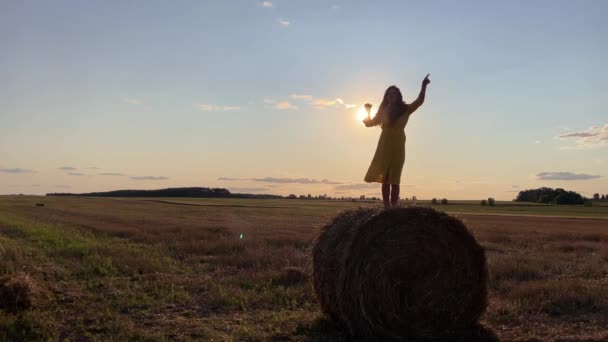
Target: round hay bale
{"x":329,"y":253}
{"x":18,"y":293}
{"x":399,"y":274}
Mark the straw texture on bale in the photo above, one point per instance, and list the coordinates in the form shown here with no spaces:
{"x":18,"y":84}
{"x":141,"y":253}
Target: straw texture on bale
{"x":401,"y":274}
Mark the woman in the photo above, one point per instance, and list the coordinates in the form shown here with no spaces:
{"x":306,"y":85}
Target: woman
{"x":387,"y":164}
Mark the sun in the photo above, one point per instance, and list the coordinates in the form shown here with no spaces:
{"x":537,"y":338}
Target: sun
{"x":362,"y":113}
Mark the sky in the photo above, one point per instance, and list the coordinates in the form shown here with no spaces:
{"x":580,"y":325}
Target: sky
{"x":263,"y":96}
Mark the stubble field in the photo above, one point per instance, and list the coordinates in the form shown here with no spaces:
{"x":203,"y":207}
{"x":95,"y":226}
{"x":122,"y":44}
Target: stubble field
{"x":211,"y":269}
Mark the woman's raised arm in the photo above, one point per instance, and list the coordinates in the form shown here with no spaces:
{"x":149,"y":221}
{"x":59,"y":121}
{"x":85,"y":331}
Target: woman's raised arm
{"x":369,"y":122}
{"x":420,"y":100}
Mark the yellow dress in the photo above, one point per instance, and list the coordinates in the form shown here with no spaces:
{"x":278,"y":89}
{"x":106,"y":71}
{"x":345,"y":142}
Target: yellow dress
{"x":388,"y":160}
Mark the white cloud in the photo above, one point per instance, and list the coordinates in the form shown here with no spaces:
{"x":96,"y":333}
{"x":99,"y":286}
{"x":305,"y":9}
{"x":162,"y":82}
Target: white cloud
{"x":284,"y":105}
{"x":318,"y":103}
{"x":596,"y":136}
{"x":267,"y":4}
{"x":132,"y":100}
{"x":284,"y":22}
{"x":204,"y":107}
{"x":325,"y":103}
{"x":564,"y":176}
{"x":301,"y":97}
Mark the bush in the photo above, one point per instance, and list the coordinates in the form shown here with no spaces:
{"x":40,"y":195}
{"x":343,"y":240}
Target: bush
{"x":444,"y":201}
{"x":483,"y":202}
{"x":491,"y":201}
{"x":434,"y":201}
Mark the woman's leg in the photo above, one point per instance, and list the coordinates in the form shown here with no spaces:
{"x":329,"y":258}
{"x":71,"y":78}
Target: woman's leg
{"x":386,"y":189}
{"x":395,"y":195}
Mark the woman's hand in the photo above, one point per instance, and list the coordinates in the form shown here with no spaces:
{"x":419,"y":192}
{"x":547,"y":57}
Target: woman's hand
{"x":368,"y":120}
{"x":426,"y":80}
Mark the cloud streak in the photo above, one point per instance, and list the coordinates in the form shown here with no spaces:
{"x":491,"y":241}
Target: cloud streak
{"x":154,"y":178}
{"x":283,"y":180}
{"x":301,"y":97}
{"x":284,"y":105}
{"x":566,"y":176}
{"x":244,"y":190}
{"x":76,"y":174}
{"x":112,"y":174}
{"x":131,"y":100}
{"x":67,"y":168}
{"x":16,"y":170}
{"x":325,"y":103}
{"x":595,"y":136}
{"x":204,"y":107}
{"x":317,"y":103}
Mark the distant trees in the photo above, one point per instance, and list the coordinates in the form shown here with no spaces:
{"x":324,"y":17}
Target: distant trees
{"x":491,"y":201}
{"x":483,"y":202}
{"x":549,"y":195}
{"x":437,"y":201}
{"x":169,"y":192}
{"x":600,"y":197}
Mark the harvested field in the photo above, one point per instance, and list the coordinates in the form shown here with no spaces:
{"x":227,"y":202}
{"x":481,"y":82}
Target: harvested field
{"x":117,"y":269}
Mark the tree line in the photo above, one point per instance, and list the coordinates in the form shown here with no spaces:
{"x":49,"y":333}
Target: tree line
{"x":198,"y":192}
{"x":550,"y":196}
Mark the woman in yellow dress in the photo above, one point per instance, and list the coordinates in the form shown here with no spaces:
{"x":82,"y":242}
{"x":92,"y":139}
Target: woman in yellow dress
{"x":392,"y":116}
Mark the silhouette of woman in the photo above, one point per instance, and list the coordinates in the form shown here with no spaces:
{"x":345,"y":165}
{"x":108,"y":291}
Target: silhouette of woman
{"x":387,"y":164}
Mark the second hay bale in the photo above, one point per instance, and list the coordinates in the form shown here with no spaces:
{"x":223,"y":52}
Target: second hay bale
{"x":400,"y":273}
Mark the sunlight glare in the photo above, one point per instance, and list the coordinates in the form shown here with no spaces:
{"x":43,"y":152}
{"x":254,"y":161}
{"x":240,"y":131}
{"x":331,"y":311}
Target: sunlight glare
{"x":362,"y":113}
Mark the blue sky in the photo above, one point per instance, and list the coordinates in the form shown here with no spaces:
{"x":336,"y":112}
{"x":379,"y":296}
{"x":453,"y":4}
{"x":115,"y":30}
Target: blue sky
{"x":262,"y":96}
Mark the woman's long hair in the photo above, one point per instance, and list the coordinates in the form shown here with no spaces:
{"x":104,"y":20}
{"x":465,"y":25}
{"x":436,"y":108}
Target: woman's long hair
{"x":388,"y":118}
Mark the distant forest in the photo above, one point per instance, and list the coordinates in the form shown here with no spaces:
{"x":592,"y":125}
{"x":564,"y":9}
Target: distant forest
{"x":549,"y":195}
{"x":170,"y":192}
